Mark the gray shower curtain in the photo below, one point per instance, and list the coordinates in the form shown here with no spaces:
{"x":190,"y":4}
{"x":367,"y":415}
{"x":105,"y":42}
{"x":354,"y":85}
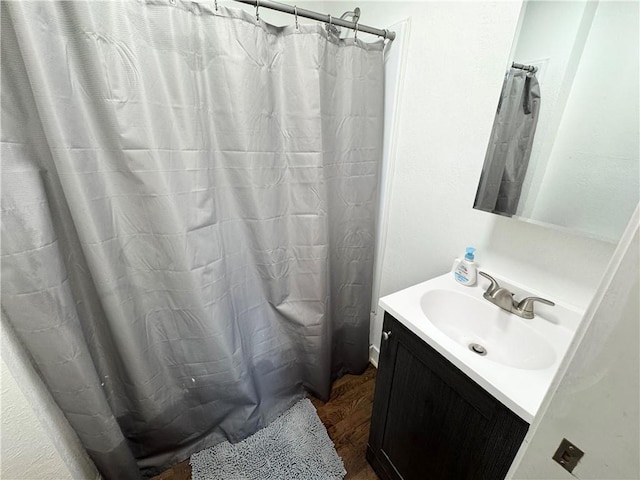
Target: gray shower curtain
{"x":507,"y":158}
{"x":188,"y":205}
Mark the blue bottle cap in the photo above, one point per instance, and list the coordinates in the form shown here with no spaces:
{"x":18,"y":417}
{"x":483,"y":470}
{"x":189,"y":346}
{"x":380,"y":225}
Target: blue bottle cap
{"x":469,"y":255}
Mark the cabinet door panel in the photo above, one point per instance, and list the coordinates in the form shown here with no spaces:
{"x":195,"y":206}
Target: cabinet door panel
{"x":431,"y":431}
{"x":431,"y":421}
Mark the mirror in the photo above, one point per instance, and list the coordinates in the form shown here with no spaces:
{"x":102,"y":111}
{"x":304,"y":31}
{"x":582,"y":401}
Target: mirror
{"x":564,"y":146}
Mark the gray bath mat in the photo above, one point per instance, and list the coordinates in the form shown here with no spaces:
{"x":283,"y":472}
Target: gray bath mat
{"x":293,"y":447}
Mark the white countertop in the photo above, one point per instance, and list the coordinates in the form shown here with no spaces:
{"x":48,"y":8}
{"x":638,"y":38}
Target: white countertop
{"x":521,"y":390}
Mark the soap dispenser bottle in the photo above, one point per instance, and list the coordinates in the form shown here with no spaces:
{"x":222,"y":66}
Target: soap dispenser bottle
{"x":466,"y":271}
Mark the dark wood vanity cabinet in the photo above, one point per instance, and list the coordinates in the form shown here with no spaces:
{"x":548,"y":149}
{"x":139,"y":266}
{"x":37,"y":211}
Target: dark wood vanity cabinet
{"x":430,"y":421}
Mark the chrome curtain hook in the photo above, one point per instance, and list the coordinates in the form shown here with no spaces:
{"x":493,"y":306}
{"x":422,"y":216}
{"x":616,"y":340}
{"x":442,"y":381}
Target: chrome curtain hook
{"x":257,"y":10}
{"x":329,"y":24}
{"x":216,"y":3}
{"x":295,"y":13}
{"x":355,"y":35}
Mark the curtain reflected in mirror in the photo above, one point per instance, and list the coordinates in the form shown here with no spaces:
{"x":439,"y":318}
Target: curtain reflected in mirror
{"x":507,"y":158}
{"x":572,"y":163}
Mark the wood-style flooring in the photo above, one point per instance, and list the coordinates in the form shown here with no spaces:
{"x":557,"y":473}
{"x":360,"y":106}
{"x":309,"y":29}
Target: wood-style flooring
{"x":346,"y":416}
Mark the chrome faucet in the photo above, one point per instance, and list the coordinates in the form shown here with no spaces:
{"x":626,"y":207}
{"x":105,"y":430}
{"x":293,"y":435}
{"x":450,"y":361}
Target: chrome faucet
{"x":503,"y":298}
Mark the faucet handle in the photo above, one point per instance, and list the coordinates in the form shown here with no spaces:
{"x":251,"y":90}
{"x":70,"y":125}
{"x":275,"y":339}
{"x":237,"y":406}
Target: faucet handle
{"x":494,"y":284}
{"x":525,"y":306}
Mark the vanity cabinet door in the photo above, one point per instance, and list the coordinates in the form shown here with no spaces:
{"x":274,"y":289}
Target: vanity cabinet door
{"x":430,"y":421}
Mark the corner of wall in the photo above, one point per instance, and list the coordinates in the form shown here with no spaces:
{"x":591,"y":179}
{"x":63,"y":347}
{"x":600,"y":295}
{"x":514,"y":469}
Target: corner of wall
{"x":374,"y":355}
{"x":29,"y":408}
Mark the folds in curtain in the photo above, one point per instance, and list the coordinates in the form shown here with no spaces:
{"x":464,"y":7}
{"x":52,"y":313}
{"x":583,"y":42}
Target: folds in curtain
{"x":188,"y":205}
{"x":507,"y":158}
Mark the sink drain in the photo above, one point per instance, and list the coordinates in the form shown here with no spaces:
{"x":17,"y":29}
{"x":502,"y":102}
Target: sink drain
{"x":477,"y":348}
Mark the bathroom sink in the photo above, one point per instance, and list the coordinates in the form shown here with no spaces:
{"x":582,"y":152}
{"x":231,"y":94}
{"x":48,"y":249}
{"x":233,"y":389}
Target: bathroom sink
{"x":513,"y":358}
{"x":487,"y":330}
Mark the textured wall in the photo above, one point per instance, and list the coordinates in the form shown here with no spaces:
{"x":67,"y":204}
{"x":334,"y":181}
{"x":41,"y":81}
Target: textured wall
{"x":36,"y":440}
{"x":27,"y":452}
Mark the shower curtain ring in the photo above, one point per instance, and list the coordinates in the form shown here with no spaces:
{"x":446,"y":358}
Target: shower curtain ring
{"x":257,"y":10}
{"x":329,"y":25}
{"x":295,"y":13}
{"x":355,"y":35}
{"x":216,"y":3}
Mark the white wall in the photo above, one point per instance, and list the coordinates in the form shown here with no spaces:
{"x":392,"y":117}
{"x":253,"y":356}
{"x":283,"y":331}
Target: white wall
{"x":597,"y":400}
{"x":395,"y":60}
{"x":36,"y":441}
{"x":26,"y":450}
{"x":592,"y":179}
{"x":457,"y":55}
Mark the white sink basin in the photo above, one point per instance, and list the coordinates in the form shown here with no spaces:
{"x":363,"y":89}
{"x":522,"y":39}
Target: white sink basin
{"x":469,"y":321}
{"x":522,"y":356}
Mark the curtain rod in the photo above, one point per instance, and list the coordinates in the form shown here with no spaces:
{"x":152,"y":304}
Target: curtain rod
{"x":530,"y":68}
{"x":301,"y":12}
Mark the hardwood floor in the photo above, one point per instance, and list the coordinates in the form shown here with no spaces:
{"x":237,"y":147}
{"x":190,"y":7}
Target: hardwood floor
{"x":346,"y":416}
